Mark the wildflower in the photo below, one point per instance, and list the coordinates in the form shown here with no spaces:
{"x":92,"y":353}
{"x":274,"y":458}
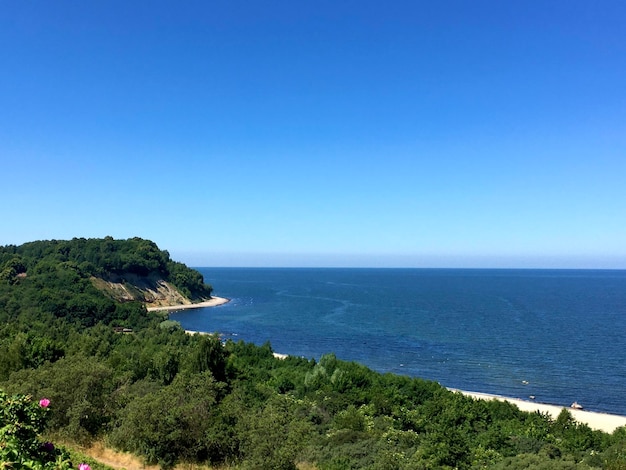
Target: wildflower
{"x":84,"y":466}
{"x":48,"y":446}
{"x":44,"y":403}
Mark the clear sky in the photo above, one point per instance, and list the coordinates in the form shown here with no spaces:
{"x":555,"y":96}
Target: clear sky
{"x":319,"y":133}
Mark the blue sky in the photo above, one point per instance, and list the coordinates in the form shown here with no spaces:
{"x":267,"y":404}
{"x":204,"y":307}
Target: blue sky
{"x":320,"y":133}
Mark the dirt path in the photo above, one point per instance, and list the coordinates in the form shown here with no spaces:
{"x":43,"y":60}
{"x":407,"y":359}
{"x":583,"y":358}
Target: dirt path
{"x":117,"y":460}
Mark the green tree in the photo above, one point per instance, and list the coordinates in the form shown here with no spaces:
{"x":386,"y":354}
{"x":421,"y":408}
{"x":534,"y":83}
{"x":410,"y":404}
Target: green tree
{"x":209,"y":355}
{"x":274,"y":436}
{"x":81,"y":389}
{"x":171,"y":424}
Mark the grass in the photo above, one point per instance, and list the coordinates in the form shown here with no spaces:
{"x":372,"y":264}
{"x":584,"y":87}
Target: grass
{"x":101,"y":457}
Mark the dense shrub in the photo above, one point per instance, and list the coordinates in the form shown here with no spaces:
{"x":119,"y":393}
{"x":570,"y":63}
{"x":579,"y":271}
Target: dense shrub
{"x":21,"y":423}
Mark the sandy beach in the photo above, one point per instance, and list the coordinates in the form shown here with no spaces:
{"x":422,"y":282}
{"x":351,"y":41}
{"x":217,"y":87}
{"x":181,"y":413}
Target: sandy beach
{"x":213,"y":302}
{"x":600,"y":421}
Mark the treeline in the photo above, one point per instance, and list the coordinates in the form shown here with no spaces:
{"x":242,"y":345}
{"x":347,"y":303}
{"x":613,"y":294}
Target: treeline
{"x":105,"y":258}
{"x":170,"y":397}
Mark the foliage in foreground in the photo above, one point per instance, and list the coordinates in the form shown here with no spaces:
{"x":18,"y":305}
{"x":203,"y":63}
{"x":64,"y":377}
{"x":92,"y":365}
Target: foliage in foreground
{"x":270,"y":413}
{"x":21,"y":423}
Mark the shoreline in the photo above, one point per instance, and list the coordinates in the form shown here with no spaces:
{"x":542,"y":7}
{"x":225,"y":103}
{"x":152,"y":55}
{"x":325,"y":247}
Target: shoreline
{"x":595,"y":420}
{"x":212,"y":302}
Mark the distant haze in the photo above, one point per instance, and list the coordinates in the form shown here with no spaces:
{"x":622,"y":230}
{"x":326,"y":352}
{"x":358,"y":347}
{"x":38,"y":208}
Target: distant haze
{"x":397,"y":261}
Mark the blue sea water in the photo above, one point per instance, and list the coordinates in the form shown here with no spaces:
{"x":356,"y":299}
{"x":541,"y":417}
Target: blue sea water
{"x":556,"y":334}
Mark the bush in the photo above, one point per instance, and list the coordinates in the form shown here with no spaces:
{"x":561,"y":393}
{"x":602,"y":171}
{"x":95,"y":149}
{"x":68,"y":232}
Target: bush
{"x":21,"y":422}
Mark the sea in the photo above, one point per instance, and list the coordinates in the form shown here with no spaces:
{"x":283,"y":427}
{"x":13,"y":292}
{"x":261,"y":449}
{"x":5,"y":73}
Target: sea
{"x":557,"y":336}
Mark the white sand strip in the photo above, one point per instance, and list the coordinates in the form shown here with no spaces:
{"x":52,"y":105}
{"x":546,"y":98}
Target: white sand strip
{"x":212,"y":302}
{"x":600,"y":421}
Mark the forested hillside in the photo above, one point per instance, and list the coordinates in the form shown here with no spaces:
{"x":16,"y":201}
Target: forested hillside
{"x":170,"y":397}
{"x":127,"y":270}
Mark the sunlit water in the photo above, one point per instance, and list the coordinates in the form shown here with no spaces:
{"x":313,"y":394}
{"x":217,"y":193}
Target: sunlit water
{"x":559,"y":335}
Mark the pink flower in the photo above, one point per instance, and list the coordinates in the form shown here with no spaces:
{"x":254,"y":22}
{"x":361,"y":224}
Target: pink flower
{"x":44,"y":403}
{"x":84,"y":466}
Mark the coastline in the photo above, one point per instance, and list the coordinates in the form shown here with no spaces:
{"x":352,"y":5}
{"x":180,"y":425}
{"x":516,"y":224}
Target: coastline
{"x":212,"y":302}
{"x":595,"y":420}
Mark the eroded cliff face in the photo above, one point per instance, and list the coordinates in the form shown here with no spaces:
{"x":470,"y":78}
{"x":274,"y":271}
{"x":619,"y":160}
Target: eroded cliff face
{"x":154,"y":292}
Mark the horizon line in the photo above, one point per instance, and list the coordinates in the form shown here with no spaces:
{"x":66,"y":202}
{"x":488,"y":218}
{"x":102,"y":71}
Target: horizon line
{"x":433,"y":268}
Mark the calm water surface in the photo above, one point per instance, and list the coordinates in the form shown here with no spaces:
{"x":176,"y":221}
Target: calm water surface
{"x":561,"y":331}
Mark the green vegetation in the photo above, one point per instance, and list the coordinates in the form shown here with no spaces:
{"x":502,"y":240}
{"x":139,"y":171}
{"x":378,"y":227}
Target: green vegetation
{"x":170,"y":397}
{"x":134,"y":261}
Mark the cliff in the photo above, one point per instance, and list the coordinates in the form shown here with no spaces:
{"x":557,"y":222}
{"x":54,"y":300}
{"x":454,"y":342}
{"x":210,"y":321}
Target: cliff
{"x":154,"y":292}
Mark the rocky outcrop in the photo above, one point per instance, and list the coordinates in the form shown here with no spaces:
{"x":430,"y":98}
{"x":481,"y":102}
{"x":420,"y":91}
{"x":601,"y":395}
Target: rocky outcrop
{"x":154,"y":292}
